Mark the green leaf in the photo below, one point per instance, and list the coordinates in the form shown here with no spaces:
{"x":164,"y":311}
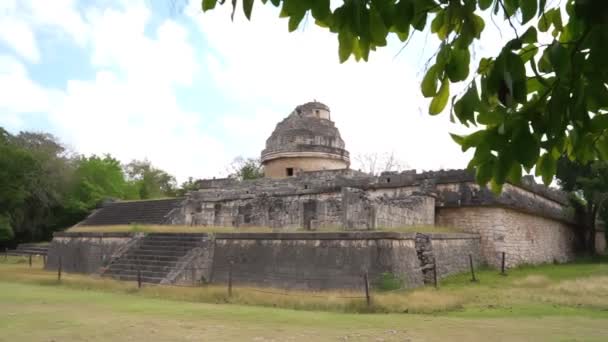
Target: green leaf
{"x":478,"y":25}
{"x":599,"y":123}
{"x":459,"y":139}
{"x":466,"y":106}
{"x":528,"y":10}
{"x":346,"y":43}
{"x":485,"y":4}
{"x":491,"y":117}
{"x":557,"y":19}
{"x":545,"y":21}
{"x":295,"y":19}
{"x":474,"y":140}
{"x":526,"y":147}
{"x":516,"y":71}
{"x":514,"y":175}
{"x":438,"y":22}
{"x":484,"y":65}
{"x":559,"y":58}
{"x":530,"y":36}
{"x":483,"y":172}
{"x":441,"y":99}
{"x":404,"y":12}
{"x":502,"y":167}
{"x":247,"y":7}
{"x":546,"y":167}
{"x":320,"y":9}
{"x":208,"y":4}
{"x":458,"y":66}
{"x":429,"y":82}
{"x":378,"y":30}
{"x":510,"y":7}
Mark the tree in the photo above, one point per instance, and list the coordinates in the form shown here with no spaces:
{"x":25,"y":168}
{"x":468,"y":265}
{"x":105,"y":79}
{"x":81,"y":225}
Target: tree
{"x":187,"y":186}
{"x":95,"y":179}
{"x":150,"y":181}
{"x":246,"y":169}
{"x":6,"y":231}
{"x":536,"y":100}
{"x":588,"y":188}
{"x":376,"y":163}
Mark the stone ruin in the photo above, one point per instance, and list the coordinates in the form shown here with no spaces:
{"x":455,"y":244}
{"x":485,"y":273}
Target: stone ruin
{"x":308,"y":186}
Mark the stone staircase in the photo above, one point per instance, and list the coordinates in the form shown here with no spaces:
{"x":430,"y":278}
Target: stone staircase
{"x":155,"y":256}
{"x":143,"y":212}
{"x":25,"y":249}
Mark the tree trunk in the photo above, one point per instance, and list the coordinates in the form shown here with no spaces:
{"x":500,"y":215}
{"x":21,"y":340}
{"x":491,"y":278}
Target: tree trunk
{"x":590,"y":227}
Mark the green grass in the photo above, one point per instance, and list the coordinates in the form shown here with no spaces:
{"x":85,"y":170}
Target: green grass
{"x":579,"y":288}
{"x":548,"y":302}
{"x":51,"y":313}
{"x":133,"y":228}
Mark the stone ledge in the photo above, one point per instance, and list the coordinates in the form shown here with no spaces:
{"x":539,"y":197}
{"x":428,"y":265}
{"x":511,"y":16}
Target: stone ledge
{"x":341,"y":236}
{"x":371,"y":235}
{"x":94,"y":234}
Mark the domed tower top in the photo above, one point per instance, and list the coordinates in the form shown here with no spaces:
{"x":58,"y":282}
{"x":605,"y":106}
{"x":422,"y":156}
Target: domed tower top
{"x":307,"y":140}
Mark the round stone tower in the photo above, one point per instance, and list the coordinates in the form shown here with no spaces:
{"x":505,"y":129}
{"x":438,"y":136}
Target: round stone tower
{"x":306,"y":140}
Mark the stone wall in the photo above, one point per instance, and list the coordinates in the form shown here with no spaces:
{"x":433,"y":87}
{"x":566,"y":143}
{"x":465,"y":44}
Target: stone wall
{"x":525,"y":238}
{"x":330,"y":260}
{"x":312,"y":211}
{"x":86,"y":252}
{"x":277,"y":168}
{"x":362,"y":211}
{"x":313,"y":261}
{"x":451,"y":252}
{"x":308,"y":261}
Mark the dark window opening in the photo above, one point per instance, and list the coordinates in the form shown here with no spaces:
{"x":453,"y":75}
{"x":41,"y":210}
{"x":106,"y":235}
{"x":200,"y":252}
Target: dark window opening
{"x":289,"y":171}
{"x":305,"y":186}
{"x":388,"y":180}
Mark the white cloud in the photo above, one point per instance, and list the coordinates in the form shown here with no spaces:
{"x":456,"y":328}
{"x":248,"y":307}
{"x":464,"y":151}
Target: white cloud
{"x":130,"y":107}
{"x":19,"y":92}
{"x":21,"y":21}
{"x":20,"y":37}
{"x":376,"y":105}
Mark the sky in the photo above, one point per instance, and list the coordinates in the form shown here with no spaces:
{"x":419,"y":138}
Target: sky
{"x":190,"y":91}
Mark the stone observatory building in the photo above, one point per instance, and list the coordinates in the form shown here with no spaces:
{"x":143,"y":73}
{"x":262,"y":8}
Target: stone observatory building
{"x":306,"y":140}
{"x":329,"y":222}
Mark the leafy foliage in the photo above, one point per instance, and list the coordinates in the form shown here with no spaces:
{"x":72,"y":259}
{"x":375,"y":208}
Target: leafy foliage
{"x":6,"y":231}
{"x":588,"y":186}
{"x":149,"y":181}
{"x":535,"y":100}
{"x":43,"y":188}
{"x":246,"y":169}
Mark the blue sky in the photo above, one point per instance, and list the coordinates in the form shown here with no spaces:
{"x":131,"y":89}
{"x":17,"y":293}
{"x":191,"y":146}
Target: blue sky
{"x":191,"y":91}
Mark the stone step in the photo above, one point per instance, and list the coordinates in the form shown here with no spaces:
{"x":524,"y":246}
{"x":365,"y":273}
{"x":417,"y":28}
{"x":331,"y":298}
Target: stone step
{"x":170,"y":243}
{"x":144,"y":265}
{"x":150,"y":280}
{"x":119,"y":268}
{"x":150,"y":257}
{"x":27,"y":252}
{"x":33,"y":245}
{"x":176,"y":236}
{"x":147,"y":274}
{"x":152,"y":252}
{"x":170,"y":248}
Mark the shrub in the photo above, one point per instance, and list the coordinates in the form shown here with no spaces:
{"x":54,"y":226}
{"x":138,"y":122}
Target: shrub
{"x":388,"y":281}
{"x":6,"y":230}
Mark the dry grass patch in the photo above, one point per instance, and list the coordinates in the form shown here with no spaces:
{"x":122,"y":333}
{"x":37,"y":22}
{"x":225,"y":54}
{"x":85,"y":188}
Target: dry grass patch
{"x":542,"y":290}
{"x":534,"y":280}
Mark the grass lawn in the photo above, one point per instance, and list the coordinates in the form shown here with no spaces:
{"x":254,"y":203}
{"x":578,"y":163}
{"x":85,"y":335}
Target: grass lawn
{"x":544,"y":303}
